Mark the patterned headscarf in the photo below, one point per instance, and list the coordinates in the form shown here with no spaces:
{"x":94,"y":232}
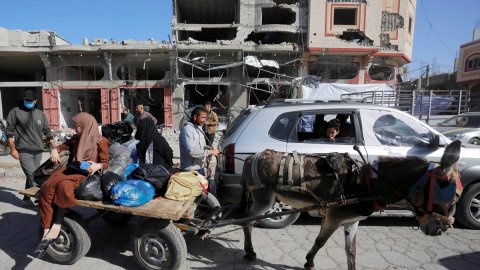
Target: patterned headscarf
{"x":87,"y":144}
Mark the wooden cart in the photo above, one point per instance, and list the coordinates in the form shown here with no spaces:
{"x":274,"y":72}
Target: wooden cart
{"x":157,"y":243}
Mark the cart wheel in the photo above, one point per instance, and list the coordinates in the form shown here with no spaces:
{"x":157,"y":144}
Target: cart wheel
{"x":158,"y":244}
{"x":4,"y":149}
{"x":116,"y":219}
{"x":72,"y":243}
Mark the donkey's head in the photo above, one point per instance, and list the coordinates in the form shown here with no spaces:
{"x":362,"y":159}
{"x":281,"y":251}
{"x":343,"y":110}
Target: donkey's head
{"x":434,"y":195}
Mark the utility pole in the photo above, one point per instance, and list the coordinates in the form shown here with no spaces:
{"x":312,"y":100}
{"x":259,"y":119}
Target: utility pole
{"x":427,"y":72}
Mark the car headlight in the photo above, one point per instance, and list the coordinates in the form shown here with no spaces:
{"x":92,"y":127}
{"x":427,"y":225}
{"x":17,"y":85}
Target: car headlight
{"x":456,"y":136}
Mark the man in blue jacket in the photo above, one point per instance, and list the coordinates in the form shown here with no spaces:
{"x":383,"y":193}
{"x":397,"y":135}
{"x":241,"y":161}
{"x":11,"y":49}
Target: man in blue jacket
{"x":25,"y":127}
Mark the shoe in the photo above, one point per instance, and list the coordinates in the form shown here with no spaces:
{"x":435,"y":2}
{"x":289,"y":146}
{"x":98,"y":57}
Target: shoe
{"x":42,"y":247}
{"x":28,"y":203}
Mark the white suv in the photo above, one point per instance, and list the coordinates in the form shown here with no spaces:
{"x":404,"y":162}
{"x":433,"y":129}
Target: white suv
{"x":298,"y":125}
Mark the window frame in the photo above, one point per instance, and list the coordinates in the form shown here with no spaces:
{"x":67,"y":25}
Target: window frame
{"x":350,"y":111}
{"x":356,"y":9}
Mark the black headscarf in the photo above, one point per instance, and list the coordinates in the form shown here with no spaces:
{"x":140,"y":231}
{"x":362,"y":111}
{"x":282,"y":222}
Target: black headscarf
{"x":148,"y":133}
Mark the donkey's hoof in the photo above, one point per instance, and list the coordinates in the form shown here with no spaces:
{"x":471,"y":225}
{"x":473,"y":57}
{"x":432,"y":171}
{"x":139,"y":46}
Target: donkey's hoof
{"x":250,"y":256}
{"x":309,"y":266}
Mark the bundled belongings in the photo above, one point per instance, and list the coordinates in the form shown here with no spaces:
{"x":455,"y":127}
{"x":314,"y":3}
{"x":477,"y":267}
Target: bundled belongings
{"x":120,"y":132}
{"x":119,"y":157}
{"x":132,"y":193}
{"x":90,"y":188}
{"x":157,"y":175}
{"x":109,"y":180}
{"x":184,"y":185}
{"x":41,"y":174}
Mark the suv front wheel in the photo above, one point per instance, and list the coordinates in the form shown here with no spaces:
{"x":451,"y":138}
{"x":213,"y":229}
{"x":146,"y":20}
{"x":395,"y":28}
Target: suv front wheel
{"x":468,"y":208}
{"x":281,"y":221}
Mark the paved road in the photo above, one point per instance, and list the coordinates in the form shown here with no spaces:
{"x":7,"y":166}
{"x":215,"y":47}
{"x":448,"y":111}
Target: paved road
{"x":383,"y":243}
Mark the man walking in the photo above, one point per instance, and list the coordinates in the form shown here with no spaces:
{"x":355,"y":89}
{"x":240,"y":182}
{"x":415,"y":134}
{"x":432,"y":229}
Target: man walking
{"x":210,"y":124}
{"x":193,"y":149}
{"x":141,"y":113}
{"x":25,"y":127}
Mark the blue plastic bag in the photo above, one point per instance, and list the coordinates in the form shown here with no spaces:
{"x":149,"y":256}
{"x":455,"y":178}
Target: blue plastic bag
{"x":128,"y":170}
{"x":132,"y":193}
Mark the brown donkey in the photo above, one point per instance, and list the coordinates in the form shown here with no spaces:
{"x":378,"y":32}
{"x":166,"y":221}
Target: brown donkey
{"x":306,"y":180}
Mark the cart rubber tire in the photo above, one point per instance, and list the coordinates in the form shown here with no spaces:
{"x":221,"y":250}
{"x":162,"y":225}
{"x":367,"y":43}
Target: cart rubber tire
{"x":279,"y":222}
{"x":73,"y":242}
{"x":469,"y":206}
{"x":158,"y":244}
{"x":116,"y":219}
{"x":4,"y":149}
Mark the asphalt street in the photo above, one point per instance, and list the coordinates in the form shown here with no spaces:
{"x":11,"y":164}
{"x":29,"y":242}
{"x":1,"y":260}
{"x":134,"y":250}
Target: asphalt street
{"x":382,"y":243}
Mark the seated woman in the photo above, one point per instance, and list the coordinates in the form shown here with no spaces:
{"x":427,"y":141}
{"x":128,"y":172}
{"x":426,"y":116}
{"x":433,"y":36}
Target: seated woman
{"x":57,"y":193}
{"x":152,"y":147}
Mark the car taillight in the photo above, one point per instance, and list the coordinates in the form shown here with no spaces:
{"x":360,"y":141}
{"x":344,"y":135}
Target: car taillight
{"x":229,"y":153}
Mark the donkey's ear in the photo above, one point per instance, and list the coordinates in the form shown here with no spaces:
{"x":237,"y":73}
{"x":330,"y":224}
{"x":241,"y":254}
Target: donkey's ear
{"x":451,"y":155}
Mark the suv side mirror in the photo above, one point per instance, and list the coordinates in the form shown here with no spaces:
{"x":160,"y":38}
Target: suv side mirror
{"x":435,"y":141}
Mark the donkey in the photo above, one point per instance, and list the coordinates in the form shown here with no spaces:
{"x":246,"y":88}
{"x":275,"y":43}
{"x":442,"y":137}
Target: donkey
{"x":315,"y":181}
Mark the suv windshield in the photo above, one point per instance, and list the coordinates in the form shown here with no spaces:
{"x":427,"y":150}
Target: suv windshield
{"x":468,"y":121}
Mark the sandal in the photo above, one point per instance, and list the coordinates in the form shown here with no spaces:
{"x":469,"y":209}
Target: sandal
{"x":42,"y":247}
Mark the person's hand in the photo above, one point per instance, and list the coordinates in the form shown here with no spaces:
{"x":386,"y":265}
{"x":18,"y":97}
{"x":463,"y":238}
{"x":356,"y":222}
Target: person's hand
{"x":54,"y":156}
{"x":215,"y":152}
{"x":208,"y":147}
{"x":94,"y":167}
{"x":14,"y":153}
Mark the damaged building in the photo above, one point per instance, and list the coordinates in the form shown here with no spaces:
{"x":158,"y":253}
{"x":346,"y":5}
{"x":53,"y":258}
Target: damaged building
{"x":233,"y":53}
{"x":359,"y":41}
{"x":99,"y":77}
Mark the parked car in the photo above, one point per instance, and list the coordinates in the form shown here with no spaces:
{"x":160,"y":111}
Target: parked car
{"x":464,"y":127}
{"x":379,"y":131}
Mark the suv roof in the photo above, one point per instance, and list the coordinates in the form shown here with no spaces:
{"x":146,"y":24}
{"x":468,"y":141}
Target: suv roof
{"x":333,"y":104}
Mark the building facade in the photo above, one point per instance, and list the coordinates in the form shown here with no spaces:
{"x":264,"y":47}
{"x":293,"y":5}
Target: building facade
{"x":232,"y":53}
{"x":359,"y":41}
{"x":468,"y":72}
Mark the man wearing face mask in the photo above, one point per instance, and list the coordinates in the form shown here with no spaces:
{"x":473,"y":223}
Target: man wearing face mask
{"x":25,"y":127}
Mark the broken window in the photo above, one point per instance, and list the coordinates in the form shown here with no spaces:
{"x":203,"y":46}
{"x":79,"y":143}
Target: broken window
{"x":201,"y":70}
{"x":198,"y":94}
{"x":381,"y":72}
{"x":258,"y":93}
{"x":278,"y":15}
{"x":208,"y":34}
{"x":357,"y":36}
{"x":332,"y":70}
{"x":81,"y":73}
{"x":207,"y":12}
{"x":141,"y":70}
{"x":273,"y":37}
{"x":472,"y":62}
{"x":345,"y":16}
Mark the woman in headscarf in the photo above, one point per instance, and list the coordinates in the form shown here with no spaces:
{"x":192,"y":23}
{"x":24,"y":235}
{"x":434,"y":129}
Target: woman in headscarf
{"x":57,"y":193}
{"x":152,"y":147}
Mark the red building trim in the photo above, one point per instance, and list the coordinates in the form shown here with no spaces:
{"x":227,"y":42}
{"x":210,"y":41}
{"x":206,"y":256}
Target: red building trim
{"x":402,"y":55}
{"x":51,"y":107}
{"x":361,"y":50}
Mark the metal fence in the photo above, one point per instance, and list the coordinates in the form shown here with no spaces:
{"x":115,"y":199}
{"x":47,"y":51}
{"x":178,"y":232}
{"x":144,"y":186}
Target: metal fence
{"x":424,"y":104}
